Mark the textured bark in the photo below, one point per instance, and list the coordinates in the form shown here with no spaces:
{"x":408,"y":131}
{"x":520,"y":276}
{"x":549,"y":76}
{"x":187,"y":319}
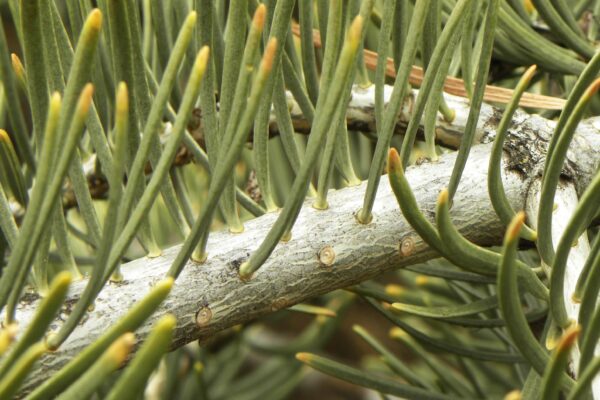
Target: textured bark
{"x":294,"y":272}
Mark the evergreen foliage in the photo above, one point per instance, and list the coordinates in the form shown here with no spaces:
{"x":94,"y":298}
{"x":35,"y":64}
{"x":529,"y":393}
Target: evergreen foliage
{"x":134,"y":130}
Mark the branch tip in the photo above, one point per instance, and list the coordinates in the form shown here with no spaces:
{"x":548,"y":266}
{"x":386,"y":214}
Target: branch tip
{"x":355,"y":31}
{"x":85,"y":99}
{"x":202,"y":60}
{"x":259,"y":16}
{"x":568,"y":338}
{"x":592,"y":89}
{"x":514,"y":229}
{"x":530,"y":72}
{"x":122,"y":98}
{"x":55,"y":103}
{"x":443,"y":197}
{"x":63,"y":278}
{"x":304,"y":357}
{"x":121,"y":348}
{"x":394,"y":161}
{"x":94,"y":19}
{"x":192,"y":17}
{"x":267,"y":61}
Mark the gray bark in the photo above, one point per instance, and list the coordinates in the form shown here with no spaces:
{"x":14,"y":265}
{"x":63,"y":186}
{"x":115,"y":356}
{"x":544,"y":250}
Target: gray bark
{"x":294,"y":272}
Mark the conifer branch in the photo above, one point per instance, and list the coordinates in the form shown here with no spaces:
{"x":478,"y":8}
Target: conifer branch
{"x":360,"y":118}
{"x":209,"y":298}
